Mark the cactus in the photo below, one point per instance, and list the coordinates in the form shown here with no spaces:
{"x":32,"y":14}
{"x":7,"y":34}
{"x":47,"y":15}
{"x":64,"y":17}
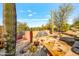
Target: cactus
{"x":9,"y":21}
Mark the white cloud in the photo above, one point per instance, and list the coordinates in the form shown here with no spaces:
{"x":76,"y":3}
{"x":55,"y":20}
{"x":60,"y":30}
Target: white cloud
{"x":32,"y":12}
{"x":30,"y":15}
{"x":29,"y":10}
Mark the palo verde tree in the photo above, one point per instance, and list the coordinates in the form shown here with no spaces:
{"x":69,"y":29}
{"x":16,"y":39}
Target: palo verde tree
{"x":76,"y":22}
{"x":61,"y":16}
{"x":9,"y":21}
{"x":50,"y":24}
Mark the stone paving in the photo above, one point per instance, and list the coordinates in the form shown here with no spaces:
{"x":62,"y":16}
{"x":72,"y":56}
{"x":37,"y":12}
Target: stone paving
{"x":2,"y":52}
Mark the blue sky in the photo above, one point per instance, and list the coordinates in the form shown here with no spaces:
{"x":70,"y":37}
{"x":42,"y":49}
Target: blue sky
{"x":1,"y":14}
{"x":38,"y":14}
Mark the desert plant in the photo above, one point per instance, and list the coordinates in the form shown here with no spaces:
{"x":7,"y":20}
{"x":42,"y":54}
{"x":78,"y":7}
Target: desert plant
{"x":64,"y":27}
{"x":61,"y":16}
{"x":9,"y":21}
{"x":33,"y":48}
{"x":21,"y":27}
{"x":76,"y":22}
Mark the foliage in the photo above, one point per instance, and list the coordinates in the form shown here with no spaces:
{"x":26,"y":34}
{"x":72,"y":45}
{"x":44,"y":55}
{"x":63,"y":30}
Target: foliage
{"x":33,"y":48}
{"x":64,"y":27}
{"x":50,"y":25}
{"x":43,"y":27}
{"x":10,"y":46}
{"x":61,"y":16}
{"x":22,"y":27}
{"x":76,"y":22}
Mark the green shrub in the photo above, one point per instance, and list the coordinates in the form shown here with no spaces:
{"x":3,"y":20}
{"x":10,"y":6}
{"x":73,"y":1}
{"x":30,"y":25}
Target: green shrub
{"x":33,"y":48}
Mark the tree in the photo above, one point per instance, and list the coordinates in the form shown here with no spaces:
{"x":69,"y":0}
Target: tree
{"x":61,"y":16}
{"x":76,"y":22}
{"x":50,"y":24}
{"x":9,"y":21}
{"x":22,"y":27}
{"x":64,"y":27}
